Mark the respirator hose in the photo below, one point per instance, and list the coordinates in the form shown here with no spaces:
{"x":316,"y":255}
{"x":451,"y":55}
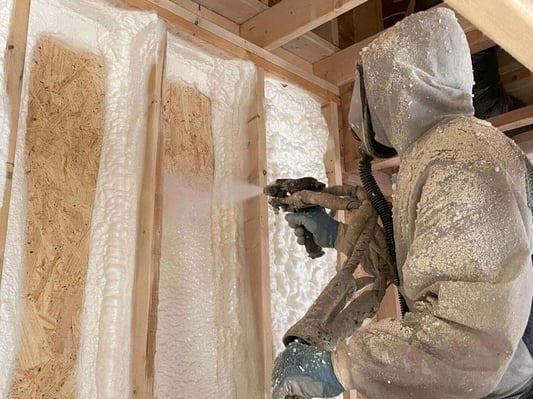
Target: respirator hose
{"x":384,"y":211}
{"x":379,"y":203}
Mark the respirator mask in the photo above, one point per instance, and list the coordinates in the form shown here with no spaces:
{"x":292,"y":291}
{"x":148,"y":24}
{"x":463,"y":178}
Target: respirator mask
{"x":361,"y":123}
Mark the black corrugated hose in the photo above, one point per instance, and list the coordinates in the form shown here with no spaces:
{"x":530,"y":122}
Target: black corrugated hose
{"x":383,"y":208}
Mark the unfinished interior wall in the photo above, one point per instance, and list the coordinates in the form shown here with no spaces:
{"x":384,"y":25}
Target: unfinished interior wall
{"x":297,"y":137}
{"x":117,"y":37}
{"x":186,"y":284}
{"x":205,"y":342}
{"x":62,"y":149}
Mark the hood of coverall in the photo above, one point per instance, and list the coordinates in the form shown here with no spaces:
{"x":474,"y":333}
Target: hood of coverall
{"x":417,"y":75}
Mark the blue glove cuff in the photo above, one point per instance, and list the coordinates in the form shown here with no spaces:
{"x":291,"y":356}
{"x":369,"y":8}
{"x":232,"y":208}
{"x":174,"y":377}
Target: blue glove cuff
{"x":301,"y":362}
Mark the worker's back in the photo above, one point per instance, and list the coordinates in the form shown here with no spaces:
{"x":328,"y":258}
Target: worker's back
{"x":463,"y":227}
{"x":476,"y":164}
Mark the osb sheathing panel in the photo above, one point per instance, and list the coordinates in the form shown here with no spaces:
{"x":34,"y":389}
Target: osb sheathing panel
{"x":63,"y":143}
{"x":187,"y":132}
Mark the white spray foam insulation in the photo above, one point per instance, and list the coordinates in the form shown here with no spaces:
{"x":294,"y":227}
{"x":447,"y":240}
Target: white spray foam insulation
{"x":5,"y":18}
{"x":205,"y":345}
{"x":128,"y":41}
{"x":297,"y":137}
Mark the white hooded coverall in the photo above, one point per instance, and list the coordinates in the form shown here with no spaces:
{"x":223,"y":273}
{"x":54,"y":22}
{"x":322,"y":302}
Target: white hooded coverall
{"x":463,"y":228}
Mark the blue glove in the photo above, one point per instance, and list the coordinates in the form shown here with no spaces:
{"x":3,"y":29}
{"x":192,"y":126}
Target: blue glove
{"x":316,"y":221}
{"x":303,"y":371}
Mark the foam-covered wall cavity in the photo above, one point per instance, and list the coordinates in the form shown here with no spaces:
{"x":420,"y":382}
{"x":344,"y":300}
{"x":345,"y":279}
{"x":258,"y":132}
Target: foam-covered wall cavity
{"x":297,"y":137}
{"x":128,"y":41}
{"x":5,"y":17}
{"x":205,"y":342}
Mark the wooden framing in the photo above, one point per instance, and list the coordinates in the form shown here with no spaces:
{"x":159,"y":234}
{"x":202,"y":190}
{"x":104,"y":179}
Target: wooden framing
{"x":208,"y":15}
{"x":146,"y":281}
{"x":509,"y":23}
{"x":189,"y":22}
{"x":15,"y":54}
{"x":339,"y":68}
{"x":238,"y":11}
{"x":332,"y":158}
{"x":258,"y":40}
{"x":256,"y":233}
{"x":514,"y":119}
{"x":293,"y":18}
{"x":293,"y":59}
{"x":309,"y":47}
{"x":292,"y":53}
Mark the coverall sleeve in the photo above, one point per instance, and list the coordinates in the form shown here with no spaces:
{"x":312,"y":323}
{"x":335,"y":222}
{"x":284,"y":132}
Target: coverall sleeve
{"x":468,"y":275}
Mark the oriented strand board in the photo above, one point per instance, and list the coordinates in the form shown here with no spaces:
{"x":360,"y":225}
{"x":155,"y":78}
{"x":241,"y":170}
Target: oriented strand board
{"x":187,"y":131}
{"x":62,"y":150}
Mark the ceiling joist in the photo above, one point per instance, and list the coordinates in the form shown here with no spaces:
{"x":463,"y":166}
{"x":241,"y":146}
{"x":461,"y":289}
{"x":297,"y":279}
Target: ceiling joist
{"x":290,"y":19}
{"x":201,"y":25}
{"x":309,"y":47}
{"x":509,"y":23}
{"x":339,"y":68}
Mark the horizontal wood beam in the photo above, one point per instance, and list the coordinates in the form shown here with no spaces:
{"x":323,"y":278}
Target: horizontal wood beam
{"x":339,"y":68}
{"x":509,"y":23}
{"x":189,"y":22}
{"x":223,"y":14}
{"x":526,"y":137}
{"x":237,"y":11}
{"x":510,"y":120}
{"x":208,"y":14}
{"x":309,"y":47}
{"x":513,"y":119}
{"x":289,"y":19}
{"x":293,"y":59}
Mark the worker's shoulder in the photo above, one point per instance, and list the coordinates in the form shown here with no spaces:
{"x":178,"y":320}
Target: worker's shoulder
{"x":466,"y":140}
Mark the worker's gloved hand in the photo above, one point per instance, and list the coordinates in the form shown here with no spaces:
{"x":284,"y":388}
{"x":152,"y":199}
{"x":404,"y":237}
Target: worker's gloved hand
{"x":303,"y":371}
{"x":316,"y":221}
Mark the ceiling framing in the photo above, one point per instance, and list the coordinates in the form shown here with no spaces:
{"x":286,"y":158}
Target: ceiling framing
{"x":320,"y":40}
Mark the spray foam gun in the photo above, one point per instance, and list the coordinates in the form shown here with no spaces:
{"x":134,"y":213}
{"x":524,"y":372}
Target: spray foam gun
{"x":281,"y":190}
{"x":338,"y":311}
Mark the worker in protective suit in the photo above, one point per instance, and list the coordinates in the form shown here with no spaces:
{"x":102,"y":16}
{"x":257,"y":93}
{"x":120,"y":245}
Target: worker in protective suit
{"x":463,"y":233}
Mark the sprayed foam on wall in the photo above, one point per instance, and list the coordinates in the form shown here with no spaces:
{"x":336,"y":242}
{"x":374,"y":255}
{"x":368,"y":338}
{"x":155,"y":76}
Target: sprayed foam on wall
{"x":209,"y":351}
{"x":5,"y":16}
{"x":119,"y":36}
{"x":297,"y":137}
